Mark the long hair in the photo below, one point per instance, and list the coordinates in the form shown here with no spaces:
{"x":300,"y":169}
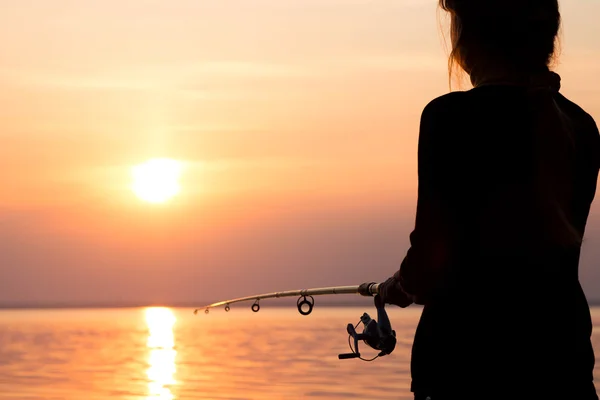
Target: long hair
{"x":520,"y":34}
{"x":519,"y":38}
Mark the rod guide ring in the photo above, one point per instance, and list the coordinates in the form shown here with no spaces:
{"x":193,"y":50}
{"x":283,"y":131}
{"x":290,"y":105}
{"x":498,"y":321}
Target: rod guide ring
{"x":304,"y":300}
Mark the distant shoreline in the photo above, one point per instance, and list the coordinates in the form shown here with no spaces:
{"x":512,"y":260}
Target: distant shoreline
{"x":277,"y":304}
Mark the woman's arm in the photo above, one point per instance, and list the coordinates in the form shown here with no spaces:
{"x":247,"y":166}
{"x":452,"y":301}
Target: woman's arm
{"x":423,"y":268}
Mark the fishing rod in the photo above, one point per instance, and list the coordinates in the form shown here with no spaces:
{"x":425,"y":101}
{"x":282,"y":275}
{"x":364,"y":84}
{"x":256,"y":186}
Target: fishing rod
{"x":376,"y":334}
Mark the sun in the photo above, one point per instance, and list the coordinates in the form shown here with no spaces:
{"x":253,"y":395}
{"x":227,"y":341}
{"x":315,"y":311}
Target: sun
{"x":156,"y":180}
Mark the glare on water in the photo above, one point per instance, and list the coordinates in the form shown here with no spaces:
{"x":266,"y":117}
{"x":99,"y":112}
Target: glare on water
{"x":162,"y":353}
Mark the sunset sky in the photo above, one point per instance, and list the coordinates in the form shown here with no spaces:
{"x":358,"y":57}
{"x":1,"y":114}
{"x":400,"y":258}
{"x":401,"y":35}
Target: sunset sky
{"x":295,"y":122}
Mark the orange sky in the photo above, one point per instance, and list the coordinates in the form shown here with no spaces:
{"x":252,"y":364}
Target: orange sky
{"x":297,"y":123}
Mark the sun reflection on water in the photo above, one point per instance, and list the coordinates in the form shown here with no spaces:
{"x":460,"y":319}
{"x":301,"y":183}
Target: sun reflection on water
{"x":161,"y":345}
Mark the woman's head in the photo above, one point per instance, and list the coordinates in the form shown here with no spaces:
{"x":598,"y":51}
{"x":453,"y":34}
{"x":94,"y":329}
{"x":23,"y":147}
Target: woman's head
{"x":518,"y":36}
{"x":514,"y":41}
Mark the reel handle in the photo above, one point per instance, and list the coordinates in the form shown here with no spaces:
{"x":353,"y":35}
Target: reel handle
{"x":348,"y":356}
{"x":356,"y":336}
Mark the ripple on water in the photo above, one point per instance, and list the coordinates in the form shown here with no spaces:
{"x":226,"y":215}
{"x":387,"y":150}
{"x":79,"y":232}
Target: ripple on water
{"x":127,"y":355}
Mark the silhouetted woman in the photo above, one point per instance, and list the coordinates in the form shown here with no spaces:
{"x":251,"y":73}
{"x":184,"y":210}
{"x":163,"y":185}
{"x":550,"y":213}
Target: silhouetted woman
{"x":507,"y":173}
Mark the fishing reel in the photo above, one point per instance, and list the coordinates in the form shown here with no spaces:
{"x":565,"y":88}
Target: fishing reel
{"x":376,"y":334}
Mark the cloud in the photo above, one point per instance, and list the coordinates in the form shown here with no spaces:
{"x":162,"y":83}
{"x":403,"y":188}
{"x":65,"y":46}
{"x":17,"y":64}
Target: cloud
{"x":150,"y":76}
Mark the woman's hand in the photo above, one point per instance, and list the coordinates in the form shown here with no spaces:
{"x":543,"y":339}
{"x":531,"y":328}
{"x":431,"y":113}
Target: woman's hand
{"x":391,"y":292}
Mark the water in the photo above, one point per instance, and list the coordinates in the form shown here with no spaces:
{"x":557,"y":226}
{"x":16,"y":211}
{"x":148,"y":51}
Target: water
{"x":161,"y":353}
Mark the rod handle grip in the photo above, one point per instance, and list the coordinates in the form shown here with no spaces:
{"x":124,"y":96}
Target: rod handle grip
{"x":368,"y":289}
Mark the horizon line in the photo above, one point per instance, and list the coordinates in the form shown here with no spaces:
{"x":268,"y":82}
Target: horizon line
{"x":106,"y":305}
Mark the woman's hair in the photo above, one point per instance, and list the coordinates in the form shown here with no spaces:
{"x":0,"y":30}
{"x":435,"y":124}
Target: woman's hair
{"x":519,"y":34}
{"x":518,"y":38}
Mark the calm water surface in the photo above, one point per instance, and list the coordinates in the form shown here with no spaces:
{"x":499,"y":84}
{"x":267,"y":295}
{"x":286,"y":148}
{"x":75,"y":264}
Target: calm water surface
{"x":161,"y":353}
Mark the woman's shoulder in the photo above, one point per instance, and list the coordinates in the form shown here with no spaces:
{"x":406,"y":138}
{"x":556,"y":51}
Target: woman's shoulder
{"x":448,"y":102}
{"x":445,"y":113}
{"x":455,"y":105}
{"x":575,"y":111}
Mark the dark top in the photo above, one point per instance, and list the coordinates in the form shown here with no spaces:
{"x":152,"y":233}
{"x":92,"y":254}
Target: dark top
{"x":503,"y":313}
